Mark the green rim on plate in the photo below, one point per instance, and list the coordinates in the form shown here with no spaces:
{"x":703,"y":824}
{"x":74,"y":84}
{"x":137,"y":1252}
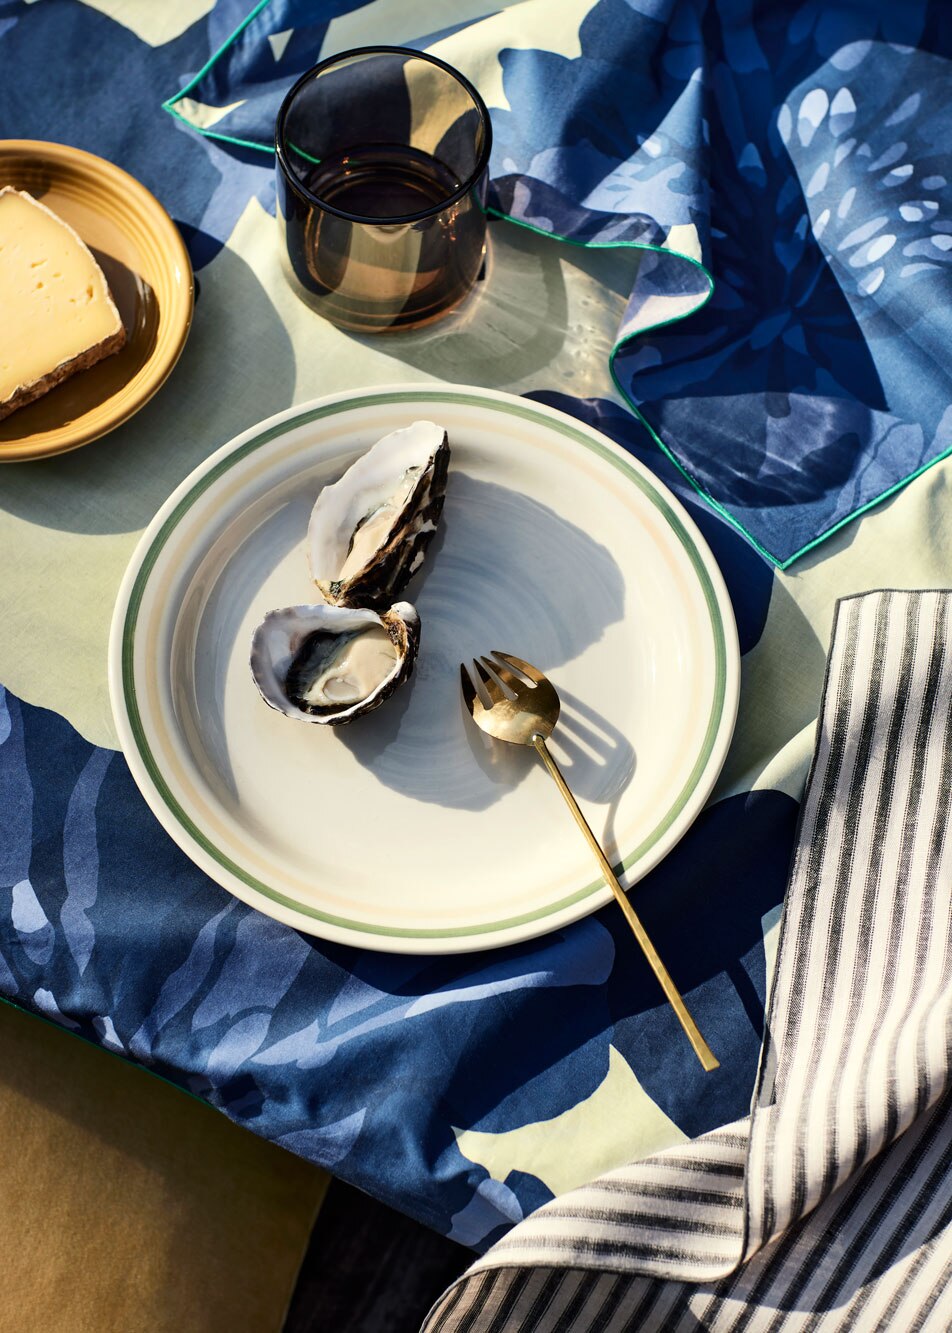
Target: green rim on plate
{"x":548,"y":419}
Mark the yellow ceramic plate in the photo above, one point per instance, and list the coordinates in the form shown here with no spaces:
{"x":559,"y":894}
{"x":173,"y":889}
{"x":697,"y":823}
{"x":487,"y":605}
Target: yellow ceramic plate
{"x":147,"y":267}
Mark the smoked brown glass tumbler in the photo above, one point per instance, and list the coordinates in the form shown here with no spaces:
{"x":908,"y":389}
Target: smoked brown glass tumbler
{"x":382,"y":157}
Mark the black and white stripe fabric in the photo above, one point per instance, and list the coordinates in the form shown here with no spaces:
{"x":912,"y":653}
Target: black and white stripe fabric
{"x":830,"y":1206}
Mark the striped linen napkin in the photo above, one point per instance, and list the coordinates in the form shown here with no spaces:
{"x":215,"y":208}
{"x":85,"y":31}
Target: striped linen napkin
{"x":829,"y":1206}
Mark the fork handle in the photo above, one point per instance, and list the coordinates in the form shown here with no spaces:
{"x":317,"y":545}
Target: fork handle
{"x":701,"y":1049}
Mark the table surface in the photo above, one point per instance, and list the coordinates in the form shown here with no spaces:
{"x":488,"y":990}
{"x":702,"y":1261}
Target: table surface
{"x":527,"y":1070}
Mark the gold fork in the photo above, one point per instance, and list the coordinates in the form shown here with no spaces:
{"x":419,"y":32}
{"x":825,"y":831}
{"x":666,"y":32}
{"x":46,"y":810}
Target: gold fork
{"x":523,"y":709}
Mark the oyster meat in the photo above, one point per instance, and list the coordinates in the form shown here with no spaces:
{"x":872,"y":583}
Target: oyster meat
{"x":369,"y":531}
{"x":330,"y":664}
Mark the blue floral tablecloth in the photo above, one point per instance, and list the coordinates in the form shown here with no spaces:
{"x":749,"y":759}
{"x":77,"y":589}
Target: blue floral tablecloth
{"x":791,"y":158}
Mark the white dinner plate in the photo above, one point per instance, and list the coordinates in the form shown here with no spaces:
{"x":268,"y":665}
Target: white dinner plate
{"x":408,"y":830}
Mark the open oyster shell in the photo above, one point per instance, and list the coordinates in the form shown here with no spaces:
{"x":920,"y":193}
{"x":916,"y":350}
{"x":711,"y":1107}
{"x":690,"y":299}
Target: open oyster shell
{"x":369,"y":531}
{"x":331,"y":664}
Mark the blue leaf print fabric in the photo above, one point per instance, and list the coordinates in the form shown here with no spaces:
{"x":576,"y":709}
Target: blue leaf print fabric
{"x":375,"y":1066}
{"x":791,"y":157}
{"x":797,"y":153}
{"x":369,"y":1064}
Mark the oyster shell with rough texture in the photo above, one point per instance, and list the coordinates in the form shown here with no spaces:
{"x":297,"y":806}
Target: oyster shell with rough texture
{"x":369,"y":531}
{"x":331,"y":664}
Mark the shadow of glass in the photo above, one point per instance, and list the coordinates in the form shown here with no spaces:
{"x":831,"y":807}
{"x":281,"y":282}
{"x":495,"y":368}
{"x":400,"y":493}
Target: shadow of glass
{"x":495,"y":582}
{"x":516,"y":321}
{"x":117,"y":483}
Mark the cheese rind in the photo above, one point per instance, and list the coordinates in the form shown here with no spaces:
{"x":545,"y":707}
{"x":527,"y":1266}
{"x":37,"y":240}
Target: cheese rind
{"x":57,"y":315}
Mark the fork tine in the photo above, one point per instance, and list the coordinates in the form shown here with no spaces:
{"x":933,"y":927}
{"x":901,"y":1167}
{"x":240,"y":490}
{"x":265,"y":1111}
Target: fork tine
{"x":468,"y":688}
{"x":509,"y":678}
{"x":492,"y":687}
{"x":531,"y":672}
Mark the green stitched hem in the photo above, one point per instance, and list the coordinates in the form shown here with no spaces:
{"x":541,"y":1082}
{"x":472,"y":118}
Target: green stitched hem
{"x":173,"y":110}
{"x":870,"y":504}
{"x":775,"y":560}
{"x":170,"y":105}
{"x":216,"y":55}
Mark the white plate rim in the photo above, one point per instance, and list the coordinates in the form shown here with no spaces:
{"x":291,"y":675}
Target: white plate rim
{"x":229,"y":873}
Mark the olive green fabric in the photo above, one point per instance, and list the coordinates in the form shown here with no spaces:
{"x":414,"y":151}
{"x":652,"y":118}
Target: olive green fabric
{"x":128,"y":1207}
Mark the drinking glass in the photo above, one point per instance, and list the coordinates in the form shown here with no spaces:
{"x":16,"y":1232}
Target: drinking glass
{"x":381,"y":183}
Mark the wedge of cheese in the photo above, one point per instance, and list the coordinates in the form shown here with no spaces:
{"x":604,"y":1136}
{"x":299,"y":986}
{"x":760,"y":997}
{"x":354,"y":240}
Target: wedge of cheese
{"x":56,"y":313}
